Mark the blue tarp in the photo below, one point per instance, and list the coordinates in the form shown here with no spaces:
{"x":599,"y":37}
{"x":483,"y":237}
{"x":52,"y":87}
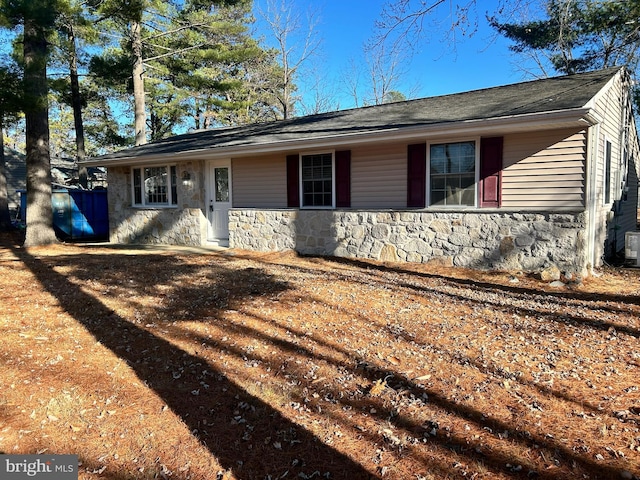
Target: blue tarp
{"x":77,"y":214}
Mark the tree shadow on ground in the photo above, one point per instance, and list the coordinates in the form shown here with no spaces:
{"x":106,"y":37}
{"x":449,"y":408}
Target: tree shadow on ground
{"x":248,"y":453}
{"x":212,"y":413}
{"x":397,"y":382}
{"x":565,"y":294}
{"x":512,"y":291}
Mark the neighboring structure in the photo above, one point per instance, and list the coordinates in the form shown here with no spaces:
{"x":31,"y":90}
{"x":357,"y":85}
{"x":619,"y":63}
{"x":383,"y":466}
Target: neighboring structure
{"x":64,"y":174}
{"x":16,"y":170}
{"x":519,"y":177}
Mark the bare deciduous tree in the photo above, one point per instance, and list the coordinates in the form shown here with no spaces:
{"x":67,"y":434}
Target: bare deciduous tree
{"x":296,"y":42}
{"x":322,"y":93}
{"x":408,"y":22}
{"x":412,"y":23}
{"x":385,"y":68}
{"x":378,"y":77}
{"x":352,"y":81}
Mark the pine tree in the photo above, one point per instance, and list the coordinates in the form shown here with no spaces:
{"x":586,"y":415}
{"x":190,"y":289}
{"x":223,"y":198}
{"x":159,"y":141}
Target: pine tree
{"x":185,"y":56}
{"x":10,"y":105}
{"x":75,"y":94}
{"x":37,"y":18}
{"x":579,"y":35}
{"x":72,"y":24}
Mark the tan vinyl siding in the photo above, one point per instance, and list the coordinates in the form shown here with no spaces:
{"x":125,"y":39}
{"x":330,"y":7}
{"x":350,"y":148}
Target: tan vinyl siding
{"x":610,"y":105}
{"x":379,"y":176}
{"x":544,"y":170}
{"x":378,"y":179}
{"x":260,"y":182}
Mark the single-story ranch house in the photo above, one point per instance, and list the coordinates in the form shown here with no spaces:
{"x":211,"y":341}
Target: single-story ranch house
{"x":519,"y":177}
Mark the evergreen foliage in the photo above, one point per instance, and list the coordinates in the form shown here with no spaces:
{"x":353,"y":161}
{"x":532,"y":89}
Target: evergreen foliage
{"x":580,"y":35}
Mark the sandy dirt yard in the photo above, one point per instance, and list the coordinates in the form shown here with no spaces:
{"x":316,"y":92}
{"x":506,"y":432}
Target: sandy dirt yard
{"x":188,"y":364}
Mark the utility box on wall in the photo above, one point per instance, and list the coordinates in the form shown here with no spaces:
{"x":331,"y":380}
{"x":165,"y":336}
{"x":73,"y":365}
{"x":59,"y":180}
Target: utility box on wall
{"x":632,"y":247}
{"x":77,"y":214}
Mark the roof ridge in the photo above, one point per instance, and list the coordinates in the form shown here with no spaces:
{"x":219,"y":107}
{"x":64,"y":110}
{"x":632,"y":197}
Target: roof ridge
{"x":560,"y":93}
{"x":507,"y":85}
{"x":307,"y":118}
{"x":600,"y":72}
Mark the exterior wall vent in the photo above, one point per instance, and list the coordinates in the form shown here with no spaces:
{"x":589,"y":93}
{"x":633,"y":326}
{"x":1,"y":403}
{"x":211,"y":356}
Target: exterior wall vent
{"x":632,"y":247}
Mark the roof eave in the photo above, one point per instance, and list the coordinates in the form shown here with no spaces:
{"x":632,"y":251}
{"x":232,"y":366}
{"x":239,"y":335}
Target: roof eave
{"x":570,"y":118}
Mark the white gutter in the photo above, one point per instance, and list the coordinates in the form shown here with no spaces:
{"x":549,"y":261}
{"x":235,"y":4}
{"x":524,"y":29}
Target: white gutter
{"x":577,"y":117}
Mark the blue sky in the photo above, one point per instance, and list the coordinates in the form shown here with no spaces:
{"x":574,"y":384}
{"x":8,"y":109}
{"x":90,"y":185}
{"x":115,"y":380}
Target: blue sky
{"x":478,"y":62}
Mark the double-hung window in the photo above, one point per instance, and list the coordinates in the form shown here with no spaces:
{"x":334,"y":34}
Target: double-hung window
{"x":452,"y":174}
{"x":154,"y":186}
{"x":317,"y":180}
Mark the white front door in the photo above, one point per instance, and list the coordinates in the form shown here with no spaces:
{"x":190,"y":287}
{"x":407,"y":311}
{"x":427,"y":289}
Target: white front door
{"x":219,"y":200}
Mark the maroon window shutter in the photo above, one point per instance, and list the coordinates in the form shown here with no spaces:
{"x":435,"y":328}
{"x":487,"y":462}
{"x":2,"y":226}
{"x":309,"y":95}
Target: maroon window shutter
{"x":417,"y":175}
{"x":343,"y":179}
{"x":491,"y":172}
{"x":293,"y":180}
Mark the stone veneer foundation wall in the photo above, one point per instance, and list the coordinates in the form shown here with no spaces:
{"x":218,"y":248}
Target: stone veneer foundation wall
{"x":184,"y":224}
{"x":505,"y":241}
{"x":161,"y":226}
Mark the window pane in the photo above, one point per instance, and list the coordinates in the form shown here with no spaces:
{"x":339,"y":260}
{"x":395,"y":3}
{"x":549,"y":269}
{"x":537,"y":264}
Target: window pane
{"x":438,"y":183}
{"x":452,"y":171}
{"x":174,"y":188}
{"x":155,"y":185}
{"x":222,"y":184}
{"x":137,"y":186}
{"x":467,"y":180}
{"x":468,"y":196}
{"x":437,"y":197}
{"x":452,"y":183}
{"x":317,"y":180}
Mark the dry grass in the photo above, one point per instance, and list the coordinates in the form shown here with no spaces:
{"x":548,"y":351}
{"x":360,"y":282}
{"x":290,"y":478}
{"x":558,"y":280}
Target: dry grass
{"x":248,"y":366}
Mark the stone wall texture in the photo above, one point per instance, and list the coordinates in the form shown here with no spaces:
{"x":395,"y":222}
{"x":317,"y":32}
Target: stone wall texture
{"x":160,"y":226}
{"x":501,"y":241}
{"x":184,"y":224}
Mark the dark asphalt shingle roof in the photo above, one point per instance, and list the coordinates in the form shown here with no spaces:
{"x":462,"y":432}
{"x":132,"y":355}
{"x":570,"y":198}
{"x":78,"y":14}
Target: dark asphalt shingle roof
{"x":537,"y":96}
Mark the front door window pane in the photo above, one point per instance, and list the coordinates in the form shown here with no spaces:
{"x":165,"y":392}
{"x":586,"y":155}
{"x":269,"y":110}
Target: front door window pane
{"x":222,"y":184}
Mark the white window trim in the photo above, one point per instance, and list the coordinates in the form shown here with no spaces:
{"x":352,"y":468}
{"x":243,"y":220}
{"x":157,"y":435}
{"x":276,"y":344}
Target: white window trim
{"x":476,"y":202}
{"x":170,"y":198}
{"x":333,"y":179}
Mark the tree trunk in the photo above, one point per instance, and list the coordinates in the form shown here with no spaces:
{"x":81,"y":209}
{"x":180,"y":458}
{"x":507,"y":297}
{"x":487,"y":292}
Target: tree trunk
{"x":76,"y":103}
{"x":286,"y":85}
{"x":5,"y":218}
{"x":138,"y":84}
{"x":39,"y":212}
